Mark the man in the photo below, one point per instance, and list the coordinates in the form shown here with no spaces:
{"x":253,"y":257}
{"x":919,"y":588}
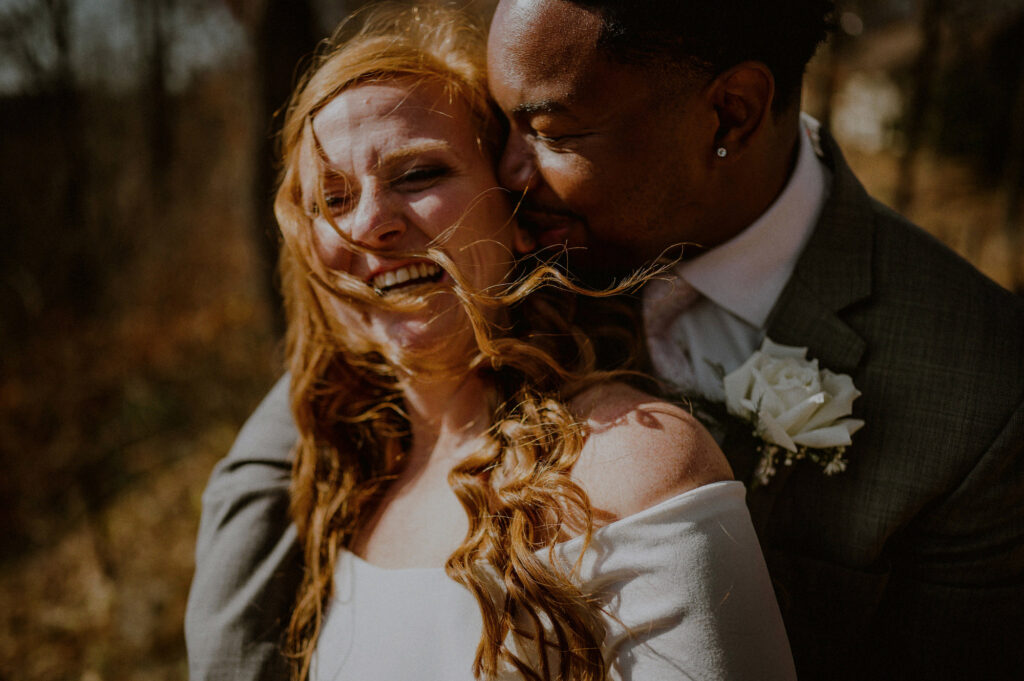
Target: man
{"x":639,"y":125}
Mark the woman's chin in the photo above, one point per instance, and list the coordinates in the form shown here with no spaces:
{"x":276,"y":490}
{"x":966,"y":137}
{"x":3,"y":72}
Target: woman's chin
{"x":446,"y":335}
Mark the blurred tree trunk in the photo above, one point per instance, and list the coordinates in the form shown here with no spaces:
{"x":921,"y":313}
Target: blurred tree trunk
{"x":62,"y":82}
{"x":830,"y":82}
{"x":156,"y":107}
{"x":834,"y":56}
{"x":77,"y":244}
{"x":932,"y":12}
{"x":35,"y":43}
{"x":282,"y":32}
{"x":284,"y":35}
{"x":1013,"y":184}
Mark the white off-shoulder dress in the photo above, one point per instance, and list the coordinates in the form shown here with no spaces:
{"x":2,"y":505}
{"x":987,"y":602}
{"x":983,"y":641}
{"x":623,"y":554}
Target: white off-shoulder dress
{"x":687,"y":593}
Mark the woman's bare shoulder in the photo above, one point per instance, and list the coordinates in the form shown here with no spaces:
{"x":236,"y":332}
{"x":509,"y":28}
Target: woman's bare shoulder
{"x":641,"y":450}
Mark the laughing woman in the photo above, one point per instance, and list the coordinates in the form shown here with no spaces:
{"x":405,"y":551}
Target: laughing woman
{"x":474,"y":499}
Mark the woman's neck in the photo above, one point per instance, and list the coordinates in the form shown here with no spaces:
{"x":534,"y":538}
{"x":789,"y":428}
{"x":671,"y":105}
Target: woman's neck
{"x":419,"y":521}
{"x":444,"y":416}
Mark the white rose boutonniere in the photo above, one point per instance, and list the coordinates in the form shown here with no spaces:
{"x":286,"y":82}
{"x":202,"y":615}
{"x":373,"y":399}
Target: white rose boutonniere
{"x":798,"y":410}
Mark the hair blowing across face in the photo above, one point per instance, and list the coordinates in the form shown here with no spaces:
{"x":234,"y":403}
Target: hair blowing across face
{"x":516,"y":490}
{"x":712,"y":37}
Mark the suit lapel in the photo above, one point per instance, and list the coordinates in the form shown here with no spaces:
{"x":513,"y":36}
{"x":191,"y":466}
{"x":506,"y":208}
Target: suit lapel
{"x":832,"y":273}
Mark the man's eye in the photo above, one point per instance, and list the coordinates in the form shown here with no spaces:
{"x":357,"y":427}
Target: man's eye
{"x":555,"y":142}
{"x":548,"y":139}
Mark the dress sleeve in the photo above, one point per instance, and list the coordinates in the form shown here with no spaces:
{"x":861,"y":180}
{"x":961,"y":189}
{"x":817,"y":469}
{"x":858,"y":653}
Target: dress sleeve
{"x":687,"y":593}
{"x":247,"y":561}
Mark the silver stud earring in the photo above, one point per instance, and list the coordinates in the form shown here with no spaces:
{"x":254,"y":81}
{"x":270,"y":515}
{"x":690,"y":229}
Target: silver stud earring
{"x":722,"y":152}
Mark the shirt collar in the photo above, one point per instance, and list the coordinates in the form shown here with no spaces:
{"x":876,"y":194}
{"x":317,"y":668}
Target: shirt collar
{"x":746,"y":274}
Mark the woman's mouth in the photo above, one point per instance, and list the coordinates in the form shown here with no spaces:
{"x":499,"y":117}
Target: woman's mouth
{"x":407,"y":275}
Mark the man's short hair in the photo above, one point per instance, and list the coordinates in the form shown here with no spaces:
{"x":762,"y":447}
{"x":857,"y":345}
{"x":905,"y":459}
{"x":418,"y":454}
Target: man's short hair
{"x":712,"y":36}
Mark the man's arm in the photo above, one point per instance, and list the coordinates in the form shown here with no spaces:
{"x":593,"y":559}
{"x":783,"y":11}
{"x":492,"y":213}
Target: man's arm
{"x":954,"y":607}
{"x":248,"y":565}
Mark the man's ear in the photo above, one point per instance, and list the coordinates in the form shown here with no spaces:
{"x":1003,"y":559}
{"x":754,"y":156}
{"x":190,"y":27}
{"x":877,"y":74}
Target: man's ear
{"x":742,"y":97}
{"x":522,"y":241}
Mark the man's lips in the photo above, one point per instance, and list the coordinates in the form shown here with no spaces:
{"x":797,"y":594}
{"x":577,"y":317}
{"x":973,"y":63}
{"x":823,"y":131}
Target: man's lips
{"x":547,"y":227}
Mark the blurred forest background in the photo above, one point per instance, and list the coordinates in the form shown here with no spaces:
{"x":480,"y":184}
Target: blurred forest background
{"x":138,"y":321}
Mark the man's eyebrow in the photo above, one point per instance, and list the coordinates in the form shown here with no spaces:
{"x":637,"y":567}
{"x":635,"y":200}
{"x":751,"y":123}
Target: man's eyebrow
{"x":544,"y":106}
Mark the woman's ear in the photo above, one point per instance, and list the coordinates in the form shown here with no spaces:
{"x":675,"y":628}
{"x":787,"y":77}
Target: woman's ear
{"x":742,"y":97}
{"x":522,"y":241}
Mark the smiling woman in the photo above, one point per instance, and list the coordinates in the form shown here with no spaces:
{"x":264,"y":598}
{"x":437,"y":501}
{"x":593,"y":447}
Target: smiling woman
{"x":459,"y":451}
{"x":388,"y":171}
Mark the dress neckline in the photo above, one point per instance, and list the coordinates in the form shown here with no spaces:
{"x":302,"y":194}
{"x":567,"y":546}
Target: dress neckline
{"x":713,"y":489}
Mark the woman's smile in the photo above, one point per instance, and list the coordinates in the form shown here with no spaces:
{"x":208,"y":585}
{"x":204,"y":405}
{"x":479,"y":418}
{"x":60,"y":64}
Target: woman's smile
{"x":406,"y":276}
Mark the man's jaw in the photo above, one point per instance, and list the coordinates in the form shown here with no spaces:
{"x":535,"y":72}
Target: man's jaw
{"x":563,"y":235}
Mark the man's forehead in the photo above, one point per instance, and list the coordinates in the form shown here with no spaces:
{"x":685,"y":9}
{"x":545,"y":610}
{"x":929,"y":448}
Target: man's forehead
{"x":542,"y":40}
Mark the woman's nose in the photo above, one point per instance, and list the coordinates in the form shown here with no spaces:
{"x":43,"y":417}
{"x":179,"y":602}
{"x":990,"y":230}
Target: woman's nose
{"x":376,"y":222}
{"x":373,"y":222}
{"x":517,"y":168}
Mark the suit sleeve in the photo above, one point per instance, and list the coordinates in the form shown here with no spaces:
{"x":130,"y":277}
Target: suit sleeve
{"x":954,"y":605}
{"x":248,"y":565}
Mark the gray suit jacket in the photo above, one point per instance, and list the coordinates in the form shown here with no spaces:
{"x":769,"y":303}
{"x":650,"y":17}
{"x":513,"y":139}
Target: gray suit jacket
{"x":910,"y":565}
{"x":248,"y":563}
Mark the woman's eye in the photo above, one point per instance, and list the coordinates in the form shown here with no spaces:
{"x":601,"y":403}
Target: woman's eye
{"x":335,"y":205}
{"x":422,"y":177}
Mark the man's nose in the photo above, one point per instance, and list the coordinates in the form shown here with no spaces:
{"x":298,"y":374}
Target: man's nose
{"x":517,"y":169}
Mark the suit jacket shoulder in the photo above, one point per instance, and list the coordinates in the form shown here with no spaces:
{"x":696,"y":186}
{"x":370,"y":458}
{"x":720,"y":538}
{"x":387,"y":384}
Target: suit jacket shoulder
{"x":248,"y":562}
{"x":934,"y":345}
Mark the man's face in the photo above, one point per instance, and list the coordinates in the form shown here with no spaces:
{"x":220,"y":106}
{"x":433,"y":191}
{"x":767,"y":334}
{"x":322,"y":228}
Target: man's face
{"x":615,"y":162}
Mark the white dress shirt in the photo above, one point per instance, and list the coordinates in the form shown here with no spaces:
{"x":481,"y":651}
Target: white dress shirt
{"x":734,"y":286}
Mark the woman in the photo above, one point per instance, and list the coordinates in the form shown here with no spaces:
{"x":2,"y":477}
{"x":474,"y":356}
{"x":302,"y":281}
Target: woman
{"x":473,"y":497}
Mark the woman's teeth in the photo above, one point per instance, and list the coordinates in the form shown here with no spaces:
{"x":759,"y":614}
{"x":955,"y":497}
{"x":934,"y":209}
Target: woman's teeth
{"x":404,"y":275}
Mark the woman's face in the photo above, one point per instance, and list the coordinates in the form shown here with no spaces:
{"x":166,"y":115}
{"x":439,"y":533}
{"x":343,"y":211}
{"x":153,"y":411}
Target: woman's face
{"x":400,"y":167}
